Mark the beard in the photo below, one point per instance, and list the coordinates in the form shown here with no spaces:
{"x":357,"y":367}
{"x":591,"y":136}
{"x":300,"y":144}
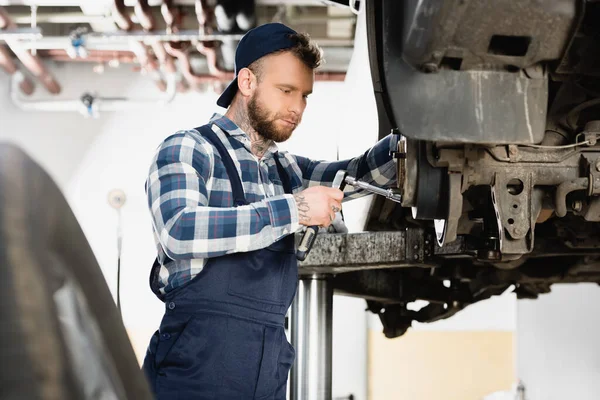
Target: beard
{"x":260,"y":119}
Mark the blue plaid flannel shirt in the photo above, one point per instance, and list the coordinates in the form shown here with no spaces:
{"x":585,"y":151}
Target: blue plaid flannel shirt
{"x":190,"y":197}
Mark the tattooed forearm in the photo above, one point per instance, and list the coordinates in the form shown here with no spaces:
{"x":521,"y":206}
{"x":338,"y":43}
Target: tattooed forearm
{"x":303,"y":208}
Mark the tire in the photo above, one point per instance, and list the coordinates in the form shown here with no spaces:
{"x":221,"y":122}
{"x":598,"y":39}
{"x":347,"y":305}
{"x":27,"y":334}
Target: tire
{"x":61,"y":335}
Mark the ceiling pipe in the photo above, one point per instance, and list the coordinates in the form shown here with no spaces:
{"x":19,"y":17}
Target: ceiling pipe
{"x":171,"y":15}
{"x":127,"y":57}
{"x":57,"y":18}
{"x":196,"y":81}
{"x":168,"y":64}
{"x":94,"y":56}
{"x":210,"y":52}
{"x":172,"y":20}
{"x":123,"y":21}
{"x":148,"y":64}
{"x":330,"y":76}
{"x":120,"y":15}
{"x":144,"y":15}
{"x":7,"y":63}
{"x":88,"y":104}
{"x":205,"y":15}
{"x":31,"y":62}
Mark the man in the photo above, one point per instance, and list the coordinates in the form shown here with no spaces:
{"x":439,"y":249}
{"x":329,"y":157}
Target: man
{"x":225,"y":205}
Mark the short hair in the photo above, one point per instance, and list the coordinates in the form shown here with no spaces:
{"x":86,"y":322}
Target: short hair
{"x":304,"y":48}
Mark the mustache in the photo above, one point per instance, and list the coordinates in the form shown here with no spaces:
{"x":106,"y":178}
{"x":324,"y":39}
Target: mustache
{"x":293,"y":119}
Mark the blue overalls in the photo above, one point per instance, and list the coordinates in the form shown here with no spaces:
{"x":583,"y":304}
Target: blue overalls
{"x":222,"y":336}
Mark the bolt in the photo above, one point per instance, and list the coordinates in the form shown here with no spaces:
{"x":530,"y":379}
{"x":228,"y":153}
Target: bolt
{"x":416,"y":247}
{"x":519,"y":231}
{"x":416,"y":257}
{"x":430,"y":68}
{"x":577,"y":205}
{"x":598,"y":165}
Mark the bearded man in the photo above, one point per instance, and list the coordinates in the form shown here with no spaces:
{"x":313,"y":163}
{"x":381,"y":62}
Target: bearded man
{"x":225,"y":204}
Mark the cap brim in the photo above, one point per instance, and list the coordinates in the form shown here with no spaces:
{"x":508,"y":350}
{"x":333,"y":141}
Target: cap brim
{"x":228,"y":94}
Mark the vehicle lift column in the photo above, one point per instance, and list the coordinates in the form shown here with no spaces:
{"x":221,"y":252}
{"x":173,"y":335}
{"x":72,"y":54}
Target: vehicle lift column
{"x":312,"y":311}
{"x":311,"y":324}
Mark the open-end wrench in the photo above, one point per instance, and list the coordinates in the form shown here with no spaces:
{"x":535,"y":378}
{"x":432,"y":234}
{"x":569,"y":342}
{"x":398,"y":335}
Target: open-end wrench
{"x":310,"y":234}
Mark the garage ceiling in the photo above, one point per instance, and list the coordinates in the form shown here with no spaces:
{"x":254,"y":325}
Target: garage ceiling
{"x":190,"y":42}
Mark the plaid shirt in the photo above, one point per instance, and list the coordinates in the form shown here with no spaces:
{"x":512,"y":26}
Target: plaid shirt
{"x":190,"y":196}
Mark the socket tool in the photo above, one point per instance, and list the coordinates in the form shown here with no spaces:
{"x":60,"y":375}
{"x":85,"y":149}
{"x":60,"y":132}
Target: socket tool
{"x":308,"y":239}
{"x":387,"y":193}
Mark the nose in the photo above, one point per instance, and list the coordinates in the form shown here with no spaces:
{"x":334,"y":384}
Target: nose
{"x":297,"y":106}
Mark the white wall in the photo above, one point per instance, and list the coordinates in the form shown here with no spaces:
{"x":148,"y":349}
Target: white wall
{"x":558,"y":355}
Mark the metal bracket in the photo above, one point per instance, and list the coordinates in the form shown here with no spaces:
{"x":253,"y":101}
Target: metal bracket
{"x":419,"y":245}
{"x":511,"y":196}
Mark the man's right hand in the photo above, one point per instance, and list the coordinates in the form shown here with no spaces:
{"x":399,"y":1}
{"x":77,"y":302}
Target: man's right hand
{"x":317,"y":205}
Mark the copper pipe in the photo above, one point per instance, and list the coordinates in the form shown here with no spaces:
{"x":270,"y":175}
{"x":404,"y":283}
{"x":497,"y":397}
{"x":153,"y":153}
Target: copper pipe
{"x":7,"y":63}
{"x":31,"y":62}
{"x":94,"y":56}
{"x":330,"y":76}
{"x":144,"y":14}
{"x":115,"y":54}
{"x":168,"y":64}
{"x":163,"y":57}
{"x":148,"y":63}
{"x":205,"y":15}
{"x":195,"y":80}
{"x":171,"y":15}
{"x":92,"y":59}
{"x":210,"y":52}
{"x":172,"y":20}
{"x":119,"y":14}
{"x":5,"y":21}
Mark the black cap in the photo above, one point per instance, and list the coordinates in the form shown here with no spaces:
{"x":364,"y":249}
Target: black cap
{"x":255,"y":44}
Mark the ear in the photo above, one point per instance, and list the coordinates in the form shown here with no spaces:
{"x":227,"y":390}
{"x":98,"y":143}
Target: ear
{"x":246,"y":82}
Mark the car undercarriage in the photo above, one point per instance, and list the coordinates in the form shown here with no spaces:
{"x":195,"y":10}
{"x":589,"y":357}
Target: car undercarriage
{"x":496,"y":111}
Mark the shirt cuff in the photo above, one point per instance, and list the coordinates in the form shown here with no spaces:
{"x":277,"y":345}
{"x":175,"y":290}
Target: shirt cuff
{"x":283,"y":213}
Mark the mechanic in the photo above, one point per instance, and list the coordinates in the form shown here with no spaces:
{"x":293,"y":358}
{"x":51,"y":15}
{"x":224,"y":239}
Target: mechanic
{"x":225,"y":205}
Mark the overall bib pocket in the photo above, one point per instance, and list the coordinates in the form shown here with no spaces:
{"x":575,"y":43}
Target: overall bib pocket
{"x":260,"y":276}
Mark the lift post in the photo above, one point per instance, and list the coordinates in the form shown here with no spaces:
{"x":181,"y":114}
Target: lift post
{"x":312,"y":309}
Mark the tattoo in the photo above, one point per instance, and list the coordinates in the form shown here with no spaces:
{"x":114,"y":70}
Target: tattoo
{"x":335,"y":209}
{"x":258,"y":144}
{"x":303,"y":208}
